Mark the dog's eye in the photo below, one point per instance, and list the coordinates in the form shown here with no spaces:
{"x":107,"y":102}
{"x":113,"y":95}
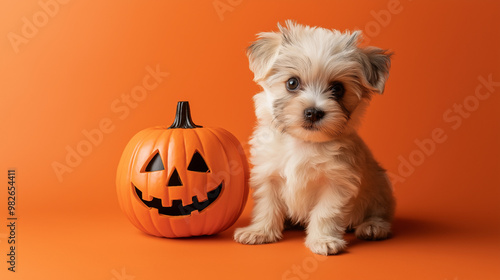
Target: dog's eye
{"x":292,"y":84}
{"x":337,"y":90}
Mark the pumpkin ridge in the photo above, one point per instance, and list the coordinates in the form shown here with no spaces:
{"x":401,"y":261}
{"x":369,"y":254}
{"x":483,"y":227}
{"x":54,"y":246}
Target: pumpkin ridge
{"x":244,"y":162}
{"x":150,"y":216}
{"x":165,"y":134}
{"x":137,"y":148}
{"x":205,"y":182}
{"x":222,"y":135}
{"x":226,"y":158}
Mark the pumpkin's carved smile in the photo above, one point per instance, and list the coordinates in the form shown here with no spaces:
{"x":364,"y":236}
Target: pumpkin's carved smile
{"x":177,"y":209}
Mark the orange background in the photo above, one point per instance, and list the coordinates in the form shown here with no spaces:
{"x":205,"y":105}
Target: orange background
{"x":82,"y":59}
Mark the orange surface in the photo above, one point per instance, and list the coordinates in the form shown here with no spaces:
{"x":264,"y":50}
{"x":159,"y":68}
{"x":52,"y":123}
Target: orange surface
{"x":81,"y":67}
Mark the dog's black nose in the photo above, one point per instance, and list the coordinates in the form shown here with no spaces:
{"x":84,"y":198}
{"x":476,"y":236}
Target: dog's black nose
{"x":313,"y":114}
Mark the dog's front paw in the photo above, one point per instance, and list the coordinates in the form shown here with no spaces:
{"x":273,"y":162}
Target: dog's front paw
{"x":373,"y":229}
{"x":326,"y":245}
{"x":253,"y":235}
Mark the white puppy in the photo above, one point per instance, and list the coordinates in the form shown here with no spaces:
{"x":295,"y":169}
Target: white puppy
{"x":310,"y":165}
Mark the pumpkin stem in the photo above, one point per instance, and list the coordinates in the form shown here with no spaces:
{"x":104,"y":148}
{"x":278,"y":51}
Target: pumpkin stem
{"x":183,"y":116}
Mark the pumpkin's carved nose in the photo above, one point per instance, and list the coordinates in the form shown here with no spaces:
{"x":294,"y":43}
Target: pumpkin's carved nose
{"x":174,"y":180}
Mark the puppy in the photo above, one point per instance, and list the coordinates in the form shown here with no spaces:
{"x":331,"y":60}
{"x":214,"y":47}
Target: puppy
{"x":310,"y":165}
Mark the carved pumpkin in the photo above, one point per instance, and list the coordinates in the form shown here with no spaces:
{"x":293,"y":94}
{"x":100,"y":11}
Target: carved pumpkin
{"x":182,"y":180}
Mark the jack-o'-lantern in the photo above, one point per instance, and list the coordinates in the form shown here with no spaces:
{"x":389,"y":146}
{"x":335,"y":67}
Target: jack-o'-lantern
{"x":183,"y":180}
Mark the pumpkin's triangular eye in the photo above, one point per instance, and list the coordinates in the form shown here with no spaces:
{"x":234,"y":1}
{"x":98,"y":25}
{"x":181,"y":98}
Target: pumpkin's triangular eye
{"x":155,"y":164}
{"x":198,"y":164}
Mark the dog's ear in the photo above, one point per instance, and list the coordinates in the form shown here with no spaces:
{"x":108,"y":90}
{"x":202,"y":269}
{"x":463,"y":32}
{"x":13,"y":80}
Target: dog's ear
{"x":376,"y":63}
{"x":262,"y":54}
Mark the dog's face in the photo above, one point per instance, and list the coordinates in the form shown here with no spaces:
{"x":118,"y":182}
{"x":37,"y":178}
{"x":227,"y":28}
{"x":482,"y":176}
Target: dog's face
{"x":316,"y":81}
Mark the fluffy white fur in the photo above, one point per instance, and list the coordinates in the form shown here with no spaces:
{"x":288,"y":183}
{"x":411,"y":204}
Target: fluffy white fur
{"x":320,"y":175}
